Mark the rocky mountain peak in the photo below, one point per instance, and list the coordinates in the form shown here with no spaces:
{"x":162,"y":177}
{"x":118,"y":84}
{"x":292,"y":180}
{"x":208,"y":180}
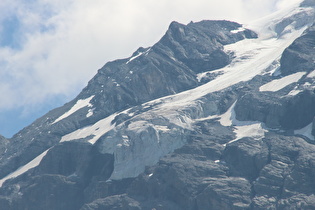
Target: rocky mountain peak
{"x":212,"y":116}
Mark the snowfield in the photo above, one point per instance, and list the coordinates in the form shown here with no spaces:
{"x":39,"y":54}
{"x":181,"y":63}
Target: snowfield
{"x":32,"y":164}
{"x":278,"y":84}
{"x":94,"y":131}
{"x":79,"y":105}
{"x":311,"y":75}
{"x":242,"y":128}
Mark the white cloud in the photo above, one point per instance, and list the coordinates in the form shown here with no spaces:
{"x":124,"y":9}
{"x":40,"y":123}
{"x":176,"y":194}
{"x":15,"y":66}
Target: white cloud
{"x":64,"y":42}
{"x":285,"y":3}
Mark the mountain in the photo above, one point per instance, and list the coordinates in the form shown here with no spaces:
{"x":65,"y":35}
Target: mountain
{"x":216,"y":115}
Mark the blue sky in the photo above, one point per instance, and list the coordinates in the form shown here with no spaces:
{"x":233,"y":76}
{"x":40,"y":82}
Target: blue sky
{"x":50,"y":49}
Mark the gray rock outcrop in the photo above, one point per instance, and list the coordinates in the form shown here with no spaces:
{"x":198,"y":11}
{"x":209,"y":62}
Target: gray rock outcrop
{"x":299,"y":55}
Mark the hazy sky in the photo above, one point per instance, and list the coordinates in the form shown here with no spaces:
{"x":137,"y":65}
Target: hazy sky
{"x":50,"y":49}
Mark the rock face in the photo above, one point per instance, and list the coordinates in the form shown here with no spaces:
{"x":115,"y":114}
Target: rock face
{"x":61,"y":178}
{"x":299,"y":56}
{"x":289,"y":113}
{"x":3,"y":144}
{"x":272,"y":173}
{"x":209,"y":117}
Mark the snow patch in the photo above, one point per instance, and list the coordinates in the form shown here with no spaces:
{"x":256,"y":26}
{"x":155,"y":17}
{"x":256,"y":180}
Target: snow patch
{"x":79,"y":105}
{"x":307,"y":85}
{"x":294,"y":92}
{"x":252,"y":129}
{"x":32,"y":164}
{"x":278,"y":84}
{"x":306,"y":131}
{"x":90,"y":112}
{"x":243,"y":129}
{"x":228,"y":117}
{"x":96,"y":131}
{"x":162,"y":128}
{"x":136,"y":56}
{"x":311,"y":74}
{"x":181,"y":30}
{"x":240,"y":29}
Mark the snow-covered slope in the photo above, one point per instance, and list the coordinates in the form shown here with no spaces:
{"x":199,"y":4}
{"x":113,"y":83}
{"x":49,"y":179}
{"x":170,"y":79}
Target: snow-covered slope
{"x":35,"y":162}
{"x":79,"y":105}
{"x":211,"y":97}
{"x":252,"y":57}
